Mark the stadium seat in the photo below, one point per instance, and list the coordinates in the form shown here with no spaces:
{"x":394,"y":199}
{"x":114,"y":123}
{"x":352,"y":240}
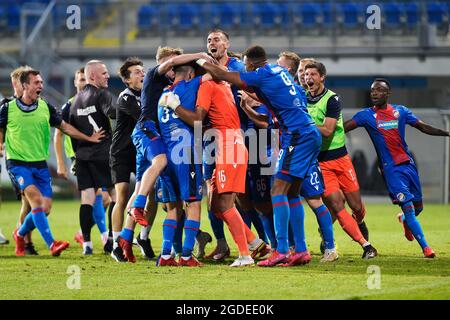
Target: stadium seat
{"x":189,"y":15}
{"x":351,"y":13}
{"x":327,"y":15}
{"x":309,"y":13}
{"x":436,"y":12}
{"x":393,"y":15}
{"x":13,"y":17}
{"x":146,"y":17}
{"x":412,"y":14}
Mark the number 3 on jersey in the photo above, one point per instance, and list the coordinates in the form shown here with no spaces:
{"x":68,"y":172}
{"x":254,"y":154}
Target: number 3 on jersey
{"x":166,"y":116}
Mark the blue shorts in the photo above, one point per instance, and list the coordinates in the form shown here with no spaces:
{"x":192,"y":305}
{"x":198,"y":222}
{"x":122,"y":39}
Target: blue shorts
{"x":180,"y":182}
{"x":148,"y":143}
{"x":26,"y":176}
{"x":298,"y":154}
{"x":259,"y":184}
{"x":208,"y":167}
{"x":403,"y":184}
{"x":313,"y":184}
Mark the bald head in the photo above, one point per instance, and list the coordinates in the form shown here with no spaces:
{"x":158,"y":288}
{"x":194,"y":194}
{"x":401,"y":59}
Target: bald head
{"x":96,"y":74}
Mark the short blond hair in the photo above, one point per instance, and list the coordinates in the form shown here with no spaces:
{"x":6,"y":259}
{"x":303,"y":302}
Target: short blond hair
{"x":164,"y":52}
{"x":292,"y":58}
{"x":16,"y":73}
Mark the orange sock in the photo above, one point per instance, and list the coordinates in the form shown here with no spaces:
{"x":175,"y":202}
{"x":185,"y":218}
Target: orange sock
{"x":350,"y":226}
{"x":236,"y":225}
{"x":249,"y":234}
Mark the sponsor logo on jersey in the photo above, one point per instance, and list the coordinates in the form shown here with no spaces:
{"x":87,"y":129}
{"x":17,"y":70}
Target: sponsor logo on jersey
{"x":86,"y":111}
{"x":387,"y":125}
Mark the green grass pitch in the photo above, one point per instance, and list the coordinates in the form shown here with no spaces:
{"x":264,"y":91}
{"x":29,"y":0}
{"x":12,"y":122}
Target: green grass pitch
{"x":404,"y":273}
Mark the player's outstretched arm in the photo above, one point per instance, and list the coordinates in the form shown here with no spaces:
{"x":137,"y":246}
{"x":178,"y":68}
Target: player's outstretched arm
{"x":181,"y":59}
{"x":260,"y":120}
{"x":70,"y":130}
{"x":349,"y":125}
{"x":58,"y":147}
{"x":172,"y":101}
{"x":220,"y":74}
{"x":429,"y":129}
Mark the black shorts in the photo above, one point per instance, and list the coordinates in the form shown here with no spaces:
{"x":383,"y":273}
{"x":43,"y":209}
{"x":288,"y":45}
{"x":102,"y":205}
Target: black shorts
{"x":121,"y":172}
{"x":93,"y":174}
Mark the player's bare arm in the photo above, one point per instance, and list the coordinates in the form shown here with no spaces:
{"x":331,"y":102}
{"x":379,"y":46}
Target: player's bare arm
{"x":349,"y":125}
{"x":219,"y":73}
{"x":328,"y":127}
{"x":68,"y":129}
{"x":181,"y":59}
{"x":260,"y":120}
{"x":58,"y":146}
{"x":429,"y":129}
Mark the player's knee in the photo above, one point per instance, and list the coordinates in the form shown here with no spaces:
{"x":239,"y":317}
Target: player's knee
{"x":159,"y":162}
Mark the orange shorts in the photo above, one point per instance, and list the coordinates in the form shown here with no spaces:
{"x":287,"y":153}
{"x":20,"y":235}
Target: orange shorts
{"x":339,"y":174}
{"x":231,"y":169}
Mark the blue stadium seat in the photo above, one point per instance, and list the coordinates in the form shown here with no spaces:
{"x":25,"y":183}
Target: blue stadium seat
{"x":284,"y":15}
{"x":264,"y":14}
{"x":189,"y":15}
{"x":309,"y":13}
{"x":223,"y":15}
{"x":172,"y":15}
{"x":145,"y":17}
{"x":412,"y":11}
{"x":327,"y":15}
{"x":13,"y":17}
{"x":393,"y":14}
{"x":436,"y":11}
{"x":351,"y":13}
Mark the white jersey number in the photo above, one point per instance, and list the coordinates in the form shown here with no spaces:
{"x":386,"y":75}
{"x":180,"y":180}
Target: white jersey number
{"x":288,"y":82}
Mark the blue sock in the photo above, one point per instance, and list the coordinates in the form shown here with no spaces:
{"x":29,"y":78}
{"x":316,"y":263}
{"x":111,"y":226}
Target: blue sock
{"x":169,"y":227}
{"x":190,"y":232}
{"x":99,"y":214}
{"x":413,"y":223}
{"x":216,"y":225}
{"x":269,"y":229}
{"x":41,"y":223}
{"x":127,"y":234}
{"x":291,"y":240}
{"x":281,"y":214}
{"x":326,"y":225}
{"x":177,"y":243}
{"x":256,"y":220}
{"x":27,"y":225}
{"x":297,"y":220}
{"x":140,"y":201}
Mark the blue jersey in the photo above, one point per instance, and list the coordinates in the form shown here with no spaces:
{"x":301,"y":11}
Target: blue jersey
{"x":170,"y":124}
{"x":236,"y":65}
{"x":152,"y":88}
{"x":386,"y":128}
{"x":277,"y":89}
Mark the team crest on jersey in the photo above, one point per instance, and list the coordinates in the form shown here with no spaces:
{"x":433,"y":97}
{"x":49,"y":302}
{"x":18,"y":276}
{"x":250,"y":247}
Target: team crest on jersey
{"x":400,"y":196}
{"x":159,"y":193}
{"x":20,"y":180}
{"x":396,"y":114}
{"x":296,"y":102}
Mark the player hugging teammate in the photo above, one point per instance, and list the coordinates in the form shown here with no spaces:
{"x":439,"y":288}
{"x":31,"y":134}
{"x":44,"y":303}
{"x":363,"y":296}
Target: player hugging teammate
{"x":161,"y":117}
